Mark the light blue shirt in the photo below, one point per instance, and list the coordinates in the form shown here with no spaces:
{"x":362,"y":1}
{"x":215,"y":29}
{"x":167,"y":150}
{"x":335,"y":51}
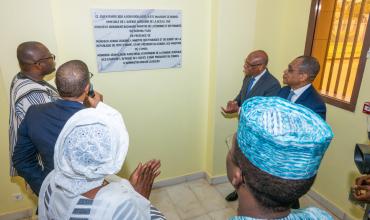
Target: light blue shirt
{"x":310,"y":213}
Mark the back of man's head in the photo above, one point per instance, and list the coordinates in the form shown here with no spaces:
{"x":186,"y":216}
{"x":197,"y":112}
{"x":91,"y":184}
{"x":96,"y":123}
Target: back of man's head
{"x":309,"y":65}
{"x":279,"y":149}
{"x":273,"y":193}
{"x":72,"y":78}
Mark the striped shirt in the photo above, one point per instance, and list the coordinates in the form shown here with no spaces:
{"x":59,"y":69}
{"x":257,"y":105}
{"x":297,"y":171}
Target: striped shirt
{"x":116,"y":201}
{"x":25,"y":92}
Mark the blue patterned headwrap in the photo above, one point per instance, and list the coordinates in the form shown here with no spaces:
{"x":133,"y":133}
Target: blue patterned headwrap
{"x":282,"y":138}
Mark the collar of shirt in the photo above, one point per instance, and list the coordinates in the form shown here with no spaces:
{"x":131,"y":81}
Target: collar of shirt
{"x":299,"y":92}
{"x":256,"y":78}
{"x":62,"y":101}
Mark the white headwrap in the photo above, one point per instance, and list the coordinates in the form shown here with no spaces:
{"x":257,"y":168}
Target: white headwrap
{"x":92,"y":145}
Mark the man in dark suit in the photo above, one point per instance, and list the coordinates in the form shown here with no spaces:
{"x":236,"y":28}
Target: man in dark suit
{"x":299,"y":77}
{"x":258,"y":81}
{"x":42,"y":124}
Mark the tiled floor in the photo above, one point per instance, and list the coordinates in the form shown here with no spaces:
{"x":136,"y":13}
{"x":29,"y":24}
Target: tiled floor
{"x":197,"y":200}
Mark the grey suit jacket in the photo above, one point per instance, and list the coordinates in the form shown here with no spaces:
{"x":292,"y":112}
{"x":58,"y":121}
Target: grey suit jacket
{"x":267,"y":85}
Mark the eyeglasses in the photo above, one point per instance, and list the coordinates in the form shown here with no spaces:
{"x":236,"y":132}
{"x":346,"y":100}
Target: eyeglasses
{"x":91,"y":75}
{"x":52,"y":56}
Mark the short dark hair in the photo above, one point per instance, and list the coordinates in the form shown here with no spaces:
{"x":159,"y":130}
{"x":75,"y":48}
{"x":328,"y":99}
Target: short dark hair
{"x":273,"y":193}
{"x":71,"y":78}
{"x":309,"y":65}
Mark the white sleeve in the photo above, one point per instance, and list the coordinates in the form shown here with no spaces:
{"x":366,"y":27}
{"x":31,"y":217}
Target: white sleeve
{"x":128,"y":211}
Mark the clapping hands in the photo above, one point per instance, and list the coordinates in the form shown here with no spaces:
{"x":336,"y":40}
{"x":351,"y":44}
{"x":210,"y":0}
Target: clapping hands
{"x":143,"y":177}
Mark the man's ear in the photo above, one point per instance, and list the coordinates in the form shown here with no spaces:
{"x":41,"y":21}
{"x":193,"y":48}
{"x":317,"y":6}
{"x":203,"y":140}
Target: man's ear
{"x":304,"y":77}
{"x":86,"y":89}
{"x":237,"y":178}
{"x":262,"y":67}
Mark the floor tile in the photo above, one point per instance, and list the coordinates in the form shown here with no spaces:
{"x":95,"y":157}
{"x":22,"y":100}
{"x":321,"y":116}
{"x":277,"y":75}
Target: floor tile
{"x":224,"y":188}
{"x":234,"y":205}
{"x":202,"y":217}
{"x":161,"y":200}
{"x":209,"y":197}
{"x":222,"y":214}
{"x":186,"y":203}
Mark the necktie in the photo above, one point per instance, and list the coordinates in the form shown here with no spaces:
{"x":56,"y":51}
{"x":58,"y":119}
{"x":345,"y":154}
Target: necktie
{"x":250,"y":84}
{"x":291,"y":94}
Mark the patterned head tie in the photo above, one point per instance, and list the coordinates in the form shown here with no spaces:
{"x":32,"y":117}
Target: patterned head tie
{"x":92,"y":145}
{"x":282,"y":138}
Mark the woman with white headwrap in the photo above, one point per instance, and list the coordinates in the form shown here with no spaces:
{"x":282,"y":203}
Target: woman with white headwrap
{"x":92,"y":145}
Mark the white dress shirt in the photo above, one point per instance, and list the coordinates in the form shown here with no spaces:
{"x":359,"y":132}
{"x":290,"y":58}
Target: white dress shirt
{"x":256,"y":78}
{"x":299,"y":92}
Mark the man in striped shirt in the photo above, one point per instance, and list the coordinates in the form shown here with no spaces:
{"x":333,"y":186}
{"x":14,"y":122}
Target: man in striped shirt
{"x":28,"y":87}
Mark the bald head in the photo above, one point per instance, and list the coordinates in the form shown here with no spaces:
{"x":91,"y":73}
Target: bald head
{"x":72,"y":78}
{"x":27,"y":52}
{"x":259,"y":56}
{"x":35,"y":58}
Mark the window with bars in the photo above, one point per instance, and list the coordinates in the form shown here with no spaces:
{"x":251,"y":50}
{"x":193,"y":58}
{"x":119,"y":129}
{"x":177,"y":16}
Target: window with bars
{"x":338,"y":36}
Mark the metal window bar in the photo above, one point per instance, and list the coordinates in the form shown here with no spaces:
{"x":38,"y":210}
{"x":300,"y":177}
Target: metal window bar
{"x":344,"y":47}
{"x":327,"y":51}
{"x":335,"y":44}
{"x":355,"y":41}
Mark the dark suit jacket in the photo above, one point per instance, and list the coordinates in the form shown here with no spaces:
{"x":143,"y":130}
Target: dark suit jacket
{"x":309,"y":98}
{"x":267,"y":85}
{"x":37,"y":135}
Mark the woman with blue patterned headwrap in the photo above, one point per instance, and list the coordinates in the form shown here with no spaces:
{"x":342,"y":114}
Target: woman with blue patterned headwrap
{"x":91,"y":146}
{"x":274,"y":158}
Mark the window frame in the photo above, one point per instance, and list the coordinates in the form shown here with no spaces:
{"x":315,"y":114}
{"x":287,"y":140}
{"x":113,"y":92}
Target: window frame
{"x":350,"y":106}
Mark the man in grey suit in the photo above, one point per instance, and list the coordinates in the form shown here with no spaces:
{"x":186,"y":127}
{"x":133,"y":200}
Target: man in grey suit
{"x":258,"y":81}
